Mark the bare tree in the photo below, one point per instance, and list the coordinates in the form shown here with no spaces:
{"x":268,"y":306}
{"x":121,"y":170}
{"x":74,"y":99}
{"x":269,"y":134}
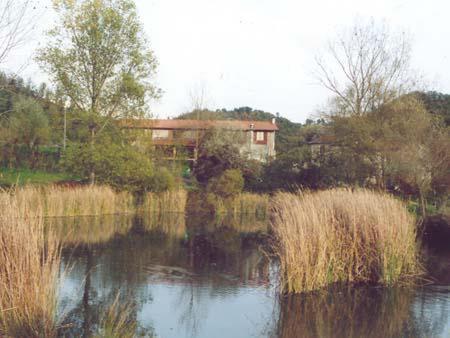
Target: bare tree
{"x":198,"y":96}
{"x":15,"y":25}
{"x":365,"y":67}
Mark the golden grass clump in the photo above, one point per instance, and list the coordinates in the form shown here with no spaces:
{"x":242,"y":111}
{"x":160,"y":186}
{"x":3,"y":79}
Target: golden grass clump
{"x":167,"y":201}
{"x":29,"y":272}
{"x":117,"y":321}
{"x":57,"y":201}
{"x":343,"y":235}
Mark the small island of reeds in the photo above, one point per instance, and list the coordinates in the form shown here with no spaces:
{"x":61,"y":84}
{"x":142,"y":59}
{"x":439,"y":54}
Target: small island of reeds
{"x":343,"y":236}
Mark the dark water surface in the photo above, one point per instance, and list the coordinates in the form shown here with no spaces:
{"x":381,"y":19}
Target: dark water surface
{"x":193,"y":277}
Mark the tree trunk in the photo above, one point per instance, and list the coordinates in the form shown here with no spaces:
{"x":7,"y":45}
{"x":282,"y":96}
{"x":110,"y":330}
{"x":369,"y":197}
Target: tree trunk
{"x":92,"y":173}
{"x":423,"y":204}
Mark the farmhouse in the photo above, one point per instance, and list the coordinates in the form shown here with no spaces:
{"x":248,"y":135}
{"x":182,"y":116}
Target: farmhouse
{"x":255,"y":139}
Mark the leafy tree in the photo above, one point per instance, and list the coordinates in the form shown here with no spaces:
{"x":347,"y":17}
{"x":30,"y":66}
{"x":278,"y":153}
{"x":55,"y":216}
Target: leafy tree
{"x":218,"y":151}
{"x":119,"y":166}
{"x":28,"y":125}
{"x":437,"y":104}
{"x":98,"y":56}
{"x":228,"y":184}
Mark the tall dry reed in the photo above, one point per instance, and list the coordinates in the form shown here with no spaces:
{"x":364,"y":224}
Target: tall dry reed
{"x":29,"y":272}
{"x":57,"y":201}
{"x":243,"y":203}
{"x":248,"y":203}
{"x":117,"y":321}
{"x":343,"y":235}
{"x":167,"y":201}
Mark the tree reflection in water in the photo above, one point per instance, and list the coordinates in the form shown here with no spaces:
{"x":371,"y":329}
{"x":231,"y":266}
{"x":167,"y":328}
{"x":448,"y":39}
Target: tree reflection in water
{"x":198,"y":255}
{"x":191,"y":265}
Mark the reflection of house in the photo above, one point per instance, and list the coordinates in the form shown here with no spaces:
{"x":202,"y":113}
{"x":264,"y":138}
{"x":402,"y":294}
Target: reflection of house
{"x":254,"y":138}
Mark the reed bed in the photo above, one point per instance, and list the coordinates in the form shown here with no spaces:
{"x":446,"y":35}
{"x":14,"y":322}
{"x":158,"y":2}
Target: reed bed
{"x":29,"y":272}
{"x":57,"y":201}
{"x":248,"y":203}
{"x":343,"y":235}
{"x":167,"y":201}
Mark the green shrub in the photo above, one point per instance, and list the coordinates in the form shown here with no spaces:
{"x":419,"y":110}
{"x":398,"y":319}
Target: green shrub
{"x":119,"y":166}
{"x":229,"y":184}
{"x":162,"y":180}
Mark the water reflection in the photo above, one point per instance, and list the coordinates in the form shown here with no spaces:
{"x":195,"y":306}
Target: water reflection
{"x":364,"y":312}
{"x":209,"y":277}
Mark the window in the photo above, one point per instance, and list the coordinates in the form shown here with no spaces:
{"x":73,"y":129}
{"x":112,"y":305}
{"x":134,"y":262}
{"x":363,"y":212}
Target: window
{"x":259,"y":136}
{"x":160,"y":133}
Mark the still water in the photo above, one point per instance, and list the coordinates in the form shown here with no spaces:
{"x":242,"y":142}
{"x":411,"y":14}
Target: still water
{"x":195,"y":277}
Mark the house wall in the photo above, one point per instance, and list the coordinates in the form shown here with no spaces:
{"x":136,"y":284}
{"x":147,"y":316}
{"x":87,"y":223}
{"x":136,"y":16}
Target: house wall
{"x":251,"y":147}
{"x":260,"y":151}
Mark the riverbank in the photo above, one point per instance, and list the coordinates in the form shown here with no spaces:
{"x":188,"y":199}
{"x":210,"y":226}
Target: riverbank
{"x":21,"y":177}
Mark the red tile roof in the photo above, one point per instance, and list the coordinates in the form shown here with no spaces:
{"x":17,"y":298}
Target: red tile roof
{"x":198,"y":124}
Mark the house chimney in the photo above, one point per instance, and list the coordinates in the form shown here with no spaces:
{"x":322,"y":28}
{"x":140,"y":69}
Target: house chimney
{"x":273,"y":120}
{"x":252,"y":126}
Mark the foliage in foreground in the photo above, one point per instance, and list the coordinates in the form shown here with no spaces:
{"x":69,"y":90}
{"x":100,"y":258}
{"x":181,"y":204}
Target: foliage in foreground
{"x":29,"y":272}
{"x":343,"y":235}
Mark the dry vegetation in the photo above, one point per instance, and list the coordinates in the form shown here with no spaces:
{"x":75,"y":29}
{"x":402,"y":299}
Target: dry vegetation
{"x":29,"y":272}
{"x":167,"y":201}
{"x":241,"y":204}
{"x":248,"y":203}
{"x":343,"y":235}
{"x":117,"y":321}
{"x":55,"y":201}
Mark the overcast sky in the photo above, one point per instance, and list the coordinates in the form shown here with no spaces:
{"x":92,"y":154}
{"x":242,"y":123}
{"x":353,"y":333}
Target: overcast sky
{"x":260,"y":53}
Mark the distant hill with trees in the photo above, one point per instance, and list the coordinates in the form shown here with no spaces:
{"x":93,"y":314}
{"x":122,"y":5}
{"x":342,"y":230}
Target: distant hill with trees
{"x":437,"y":103}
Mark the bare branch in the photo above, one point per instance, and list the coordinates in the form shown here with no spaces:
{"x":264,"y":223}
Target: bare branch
{"x":365,"y":67}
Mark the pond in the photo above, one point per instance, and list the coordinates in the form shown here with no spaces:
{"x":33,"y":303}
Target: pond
{"x":197,"y":277}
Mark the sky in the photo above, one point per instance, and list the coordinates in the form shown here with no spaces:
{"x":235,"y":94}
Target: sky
{"x":260,"y":53}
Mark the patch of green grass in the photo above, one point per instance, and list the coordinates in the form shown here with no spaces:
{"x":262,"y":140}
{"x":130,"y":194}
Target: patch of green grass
{"x":10,"y":177}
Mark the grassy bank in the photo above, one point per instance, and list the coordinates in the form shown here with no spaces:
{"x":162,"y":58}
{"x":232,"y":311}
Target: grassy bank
{"x":29,"y":267}
{"x":343,"y":235}
{"x":10,"y":177}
